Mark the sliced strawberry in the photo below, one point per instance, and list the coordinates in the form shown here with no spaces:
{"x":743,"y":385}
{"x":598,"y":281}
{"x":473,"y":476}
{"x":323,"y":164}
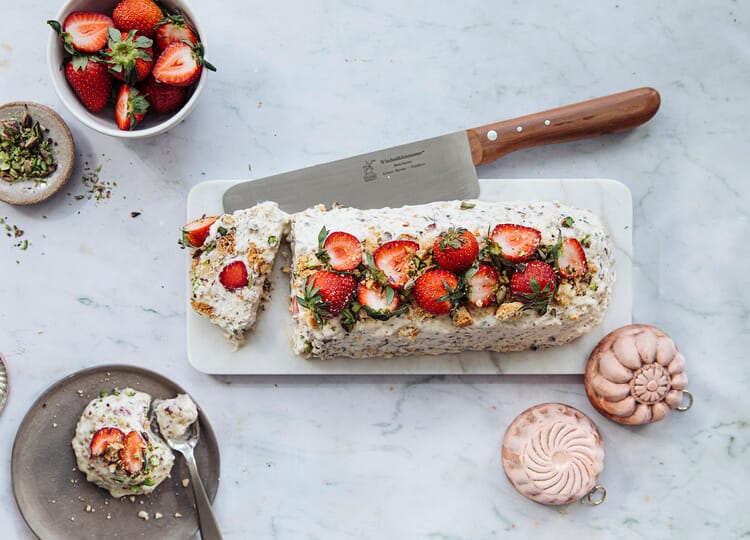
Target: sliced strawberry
{"x":130,"y":107}
{"x":90,"y":80}
{"x":83,"y":31}
{"x":196,"y":232}
{"x":173,"y":28}
{"x":180,"y":64}
{"x":482,"y":285}
{"x":396,"y":260}
{"x":326,"y":294}
{"x":234,"y":275}
{"x":133,"y":453}
{"x":534,"y":285}
{"x":436,"y":291}
{"x":571,"y":261}
{"x":344,"y":251}
{"x":456,"y":249}
{"x":163,"y":98}
{"x":139,"y":15}
{"x":104,"y":438}
{"x":129,"y":55}
{"x":377,"y":301}
{"x":517,"y":243}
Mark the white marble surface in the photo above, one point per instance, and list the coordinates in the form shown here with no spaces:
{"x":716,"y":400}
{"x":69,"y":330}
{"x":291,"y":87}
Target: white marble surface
{"x":409,"y":457}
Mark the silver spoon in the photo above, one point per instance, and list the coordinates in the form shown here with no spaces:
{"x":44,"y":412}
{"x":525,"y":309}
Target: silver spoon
{"x":185,"y":445}
{"x":3,"y":382}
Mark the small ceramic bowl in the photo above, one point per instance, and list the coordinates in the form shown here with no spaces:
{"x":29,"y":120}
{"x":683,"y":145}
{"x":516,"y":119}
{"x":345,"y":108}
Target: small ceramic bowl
{"x":28,"y":190}
{"x":104,"y":120}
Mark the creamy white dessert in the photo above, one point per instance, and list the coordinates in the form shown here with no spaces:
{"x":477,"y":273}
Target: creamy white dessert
{"x":175,"y":415}
{"x":115,"y":447}
{"x":575,"y":305}
{"x":230,"y":271}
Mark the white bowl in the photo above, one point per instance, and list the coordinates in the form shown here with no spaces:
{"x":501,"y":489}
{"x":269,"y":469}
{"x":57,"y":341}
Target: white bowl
{"x":104,"y":120}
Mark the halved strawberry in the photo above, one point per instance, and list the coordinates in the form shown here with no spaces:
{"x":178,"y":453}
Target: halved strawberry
{"x":83,"y":31}
{"x":173,"y":28}
{"x":129,"y":55}
{"x":534,"y":285}
{"x":103,"y":438}
{"x":482,"y":285}
{"x":163,"y":98}
{"x":517,"y":243}
{"x":326,"y":294}
{"x":571,"y":261}
{"x":379,"y":302}
{"x":396,"y":260}
{"x":456,"y":249}
{"x":234,"y":275}
{"x":130,"y":107}
{"x":437,"y":291}
{"x":343,"y":251}
{"x":181,"y":64}
{"x":196,"y":232}
{"x":133,"y":453}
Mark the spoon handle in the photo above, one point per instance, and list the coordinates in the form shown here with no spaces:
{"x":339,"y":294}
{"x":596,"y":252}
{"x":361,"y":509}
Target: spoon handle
{"x":206,"y":520}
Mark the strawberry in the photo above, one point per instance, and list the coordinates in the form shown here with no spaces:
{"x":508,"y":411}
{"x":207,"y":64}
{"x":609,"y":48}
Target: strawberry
{"x":130,"y":56}
{"x":341,"y":250}
{"x":234,"y":275}
{"x":437,"y":291}
{"x":83,"y":31}
{"x":326,"y":294}
{"x":90,"y":80}
{"x":482,"y":285}
{"x":517,"y":243}
{"x":181,"y":64}
{"x":396,"y":260}
{"x":139,"y":15}
{"x":534,"y":285}
{"x":173,"y":28}
{"x":104,"y":438}
{"x":163,"y":98}
{"x":196,"y":232}
{"x":379,"y":302}
{"x":571,"y":261}
{"x":133,"y":453}
{"x":456,"y":249}
{"x":130,"y":107}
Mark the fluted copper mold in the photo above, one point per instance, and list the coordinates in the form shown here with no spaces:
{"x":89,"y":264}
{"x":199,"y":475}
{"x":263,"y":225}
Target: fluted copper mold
{"x":553,"y":454}
{"x":636,"y":375}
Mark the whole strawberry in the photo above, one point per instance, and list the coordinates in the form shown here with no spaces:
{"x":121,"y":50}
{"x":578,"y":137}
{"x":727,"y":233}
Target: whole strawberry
{"x":90,"y":81}
{"x":534,"y":285}
{"x":129,"y":56}
{"x":456,"y":249}
{"x":164,"y":98}
{"x":326,"y":294}
{"x":181,"y":64}
{"x":130,"y":107}
{"x":139,"y":15}
{"x":437,"y":291}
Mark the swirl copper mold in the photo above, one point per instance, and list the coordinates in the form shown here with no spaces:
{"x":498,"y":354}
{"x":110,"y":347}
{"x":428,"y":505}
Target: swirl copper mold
{"x":553,"y":454}
{"x":636,"y":375}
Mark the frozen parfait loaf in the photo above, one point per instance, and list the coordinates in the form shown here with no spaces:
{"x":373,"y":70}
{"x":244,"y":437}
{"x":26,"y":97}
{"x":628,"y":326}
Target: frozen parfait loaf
{"x":115,"y":447}
{"x":231,"y":264}
{"x":446,"y":277}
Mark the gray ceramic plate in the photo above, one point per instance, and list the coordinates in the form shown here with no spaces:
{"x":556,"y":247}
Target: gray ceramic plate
{"x":29,"y":191}
{"x":53,"y":495}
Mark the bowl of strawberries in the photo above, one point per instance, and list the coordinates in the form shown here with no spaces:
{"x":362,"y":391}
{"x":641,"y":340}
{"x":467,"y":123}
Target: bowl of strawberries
{"x":127,"y":68}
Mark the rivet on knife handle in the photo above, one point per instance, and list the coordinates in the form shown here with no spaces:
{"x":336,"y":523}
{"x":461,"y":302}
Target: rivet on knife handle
{"x":600,"y":116}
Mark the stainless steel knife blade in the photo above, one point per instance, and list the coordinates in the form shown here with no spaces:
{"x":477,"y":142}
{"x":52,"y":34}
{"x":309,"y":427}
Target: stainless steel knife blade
{"x":434,"y":169}
{"x":441,"y":168}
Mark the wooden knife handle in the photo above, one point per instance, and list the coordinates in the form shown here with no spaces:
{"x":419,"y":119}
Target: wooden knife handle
{"x":600,"y":116}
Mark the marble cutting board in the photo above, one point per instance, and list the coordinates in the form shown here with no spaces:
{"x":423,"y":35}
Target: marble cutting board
{"x":267,"y":350}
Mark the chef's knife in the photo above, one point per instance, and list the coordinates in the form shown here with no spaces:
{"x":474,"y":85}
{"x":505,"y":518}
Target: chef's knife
{"x":441,"y":168}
